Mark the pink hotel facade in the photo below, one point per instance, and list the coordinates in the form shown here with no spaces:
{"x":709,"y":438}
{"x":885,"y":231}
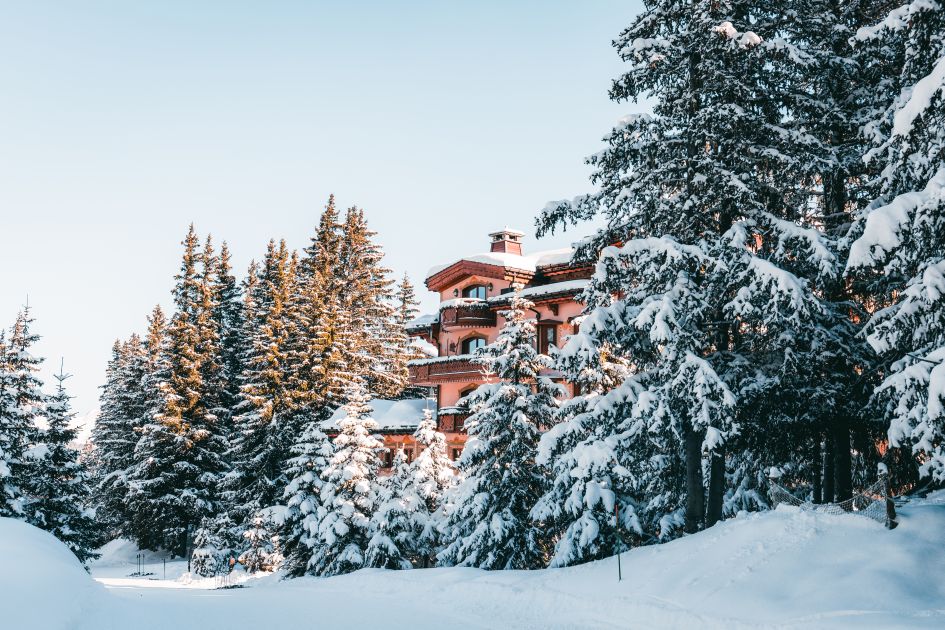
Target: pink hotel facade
{"x":473,"y":290}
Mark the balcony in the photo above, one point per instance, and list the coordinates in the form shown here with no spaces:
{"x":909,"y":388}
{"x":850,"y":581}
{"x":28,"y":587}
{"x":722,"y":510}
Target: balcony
{"x":438,"y":370}
{"x":454,"y":313}
{"x":452,"y":420}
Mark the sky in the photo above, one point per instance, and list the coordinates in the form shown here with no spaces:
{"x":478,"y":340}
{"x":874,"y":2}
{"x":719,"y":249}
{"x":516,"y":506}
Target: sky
{"x":122,"y":122}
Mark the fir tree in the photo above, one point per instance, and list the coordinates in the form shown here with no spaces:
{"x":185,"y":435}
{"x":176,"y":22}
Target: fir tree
{"x":265,"y":424}
{"x":59,"y":489}
{"x":122,"y":413}
{"x":489,"y":526}
{"x":432,"y":477}
{"x":710,"y":297}
{"x":349,"y":491}
{"x":11,"y":449}
{"x":311,"y":454}
{"x":179,"y":456}
{"x":393,"y":536}
{"x":902,"y":234}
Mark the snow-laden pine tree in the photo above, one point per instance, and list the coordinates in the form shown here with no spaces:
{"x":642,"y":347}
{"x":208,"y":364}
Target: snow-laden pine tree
{"x":375,"y":350}
{"x":903,"y":233}
{"x":433,"y":475}
{"x":59,"y":488}
{"x":264,"y":427}
{"x":229,"y":322}
{"x":702,"y":281}
{"x":349,"y":491}
{"x":123,"y":411}
{"x":489,"y":526}
{"x":590,"y":504}
{"x":302,"y":498}
{"x":18,"y":429}
{"x":179,"y":458}
{"x":11,"y":449}
{"x":393,"y":538}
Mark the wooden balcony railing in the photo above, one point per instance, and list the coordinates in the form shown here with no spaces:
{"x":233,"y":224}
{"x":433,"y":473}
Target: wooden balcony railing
{"x":468,"y":315}
{"x":444,"y":369}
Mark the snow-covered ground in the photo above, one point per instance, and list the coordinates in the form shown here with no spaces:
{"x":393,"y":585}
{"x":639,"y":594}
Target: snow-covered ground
{"x":784,"y":569}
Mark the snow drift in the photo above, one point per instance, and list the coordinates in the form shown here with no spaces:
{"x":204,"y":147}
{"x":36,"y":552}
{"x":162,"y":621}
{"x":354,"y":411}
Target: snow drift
{"x":787,"y":569}
{"x":42,"y":583}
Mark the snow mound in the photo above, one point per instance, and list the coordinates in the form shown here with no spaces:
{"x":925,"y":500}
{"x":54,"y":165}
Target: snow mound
{"x":42,"y":584}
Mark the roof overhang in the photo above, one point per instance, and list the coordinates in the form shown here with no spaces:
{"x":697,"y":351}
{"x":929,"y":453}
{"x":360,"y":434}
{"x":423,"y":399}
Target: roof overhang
{"x":462,"y":269}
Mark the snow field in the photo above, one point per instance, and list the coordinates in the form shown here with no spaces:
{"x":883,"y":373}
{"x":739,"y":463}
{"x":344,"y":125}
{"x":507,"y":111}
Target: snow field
{"x":782,"y":569}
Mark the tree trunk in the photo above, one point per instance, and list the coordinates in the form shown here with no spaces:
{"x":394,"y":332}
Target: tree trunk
{"x":818,"y":467}
{"x":828,"y":469}
{"x":716,"y":487}
{"x":843,"y":474}
{"x":695,"y":495}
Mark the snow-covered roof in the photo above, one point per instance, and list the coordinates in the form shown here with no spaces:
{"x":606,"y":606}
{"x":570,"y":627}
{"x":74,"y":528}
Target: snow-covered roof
{"x":423,"y":321}
{"x":424,"y":347}
{"x":546,"y":289}
{"x":527,"y":262}
{"x":389,"y":414}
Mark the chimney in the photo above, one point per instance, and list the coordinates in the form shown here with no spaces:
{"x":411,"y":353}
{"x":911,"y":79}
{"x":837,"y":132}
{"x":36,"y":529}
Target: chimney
{"x":507,"y":241}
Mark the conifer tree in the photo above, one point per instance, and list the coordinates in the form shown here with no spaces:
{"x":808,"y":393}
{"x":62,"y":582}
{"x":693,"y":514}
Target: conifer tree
{"x":902,"y":233}
{"x":311,"y":454}
{"x":393,"y":536}
{"x":325,"y":322}
{"x":179,"y":456}
{"x":710,"y":296}
{"x":122,"y":413}
{"x":349,"y":491}
{"x":489,"y":526}
{"x":265,"y":420}
{"x":373,"y":351}
{"x":11,"y":450}
{"x":59,"y":489}
{"x":433,"y":475}
{"x":18,"y":429}
{"x":229,"y":322}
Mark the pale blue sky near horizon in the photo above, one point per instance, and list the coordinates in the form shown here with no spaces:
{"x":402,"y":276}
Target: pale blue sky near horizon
{"x":123,"y":122}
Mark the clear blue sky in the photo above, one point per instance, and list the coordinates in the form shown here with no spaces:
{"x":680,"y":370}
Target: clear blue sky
{"x":121,"y":122}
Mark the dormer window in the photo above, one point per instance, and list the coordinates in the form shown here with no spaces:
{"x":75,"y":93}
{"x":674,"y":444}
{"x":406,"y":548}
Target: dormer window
{"x":476,"y":291}
{"x":471,"y":345}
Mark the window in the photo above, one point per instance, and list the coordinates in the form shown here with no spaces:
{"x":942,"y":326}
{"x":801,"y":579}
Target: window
{"x":472,"y":344}
{"x":455,"y":453}
{"x":547,"y":337}
{"x":477,"y":291}
{"x":408,"y":454}
{"x":387,"y":459}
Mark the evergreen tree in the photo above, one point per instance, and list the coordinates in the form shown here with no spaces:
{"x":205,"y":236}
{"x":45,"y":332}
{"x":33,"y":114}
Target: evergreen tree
{"x":311,"y":454}
{"x":179,"y":456}
{"x":710,"y":296}
{"x":902,"y":233}
{"x":489,"y":526}
{"x":11,"y":451}
{"x":374,"y":348}
{"x":59,"y":486}
{"x":393,"y":536}
{"x":229,"y":321}
{"x":349,"y":491}
{"x":265,"y":424}
{"x":24,"y":403}
{"x":590,"y":505}
{"x":432,"y":477}
{"x":122,"y":413}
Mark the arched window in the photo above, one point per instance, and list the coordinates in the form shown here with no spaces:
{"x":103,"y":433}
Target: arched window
{"x":472,"y":344}
{"x":477,"y":291}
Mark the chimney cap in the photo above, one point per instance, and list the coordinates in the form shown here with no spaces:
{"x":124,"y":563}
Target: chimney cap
{"x":507,"y":233}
